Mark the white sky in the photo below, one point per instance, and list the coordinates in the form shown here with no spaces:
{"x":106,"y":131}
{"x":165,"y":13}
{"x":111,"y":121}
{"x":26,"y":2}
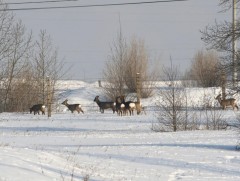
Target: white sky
{"x":84,"y":35}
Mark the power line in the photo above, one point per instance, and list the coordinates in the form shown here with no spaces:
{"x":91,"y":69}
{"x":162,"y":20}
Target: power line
{"x":92,"y":5}
{"x":38,"y":2}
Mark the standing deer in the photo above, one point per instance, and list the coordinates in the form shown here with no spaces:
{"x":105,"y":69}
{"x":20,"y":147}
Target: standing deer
{"x":120,"y":107}
{"x":73,"y":107}
{"x":37,"y":108}
{"x":123,"y":107}
{"x":227,"y":102}
{"x":104,"y":105}
{"x":129,"y":105}
{"x":139,"y":107}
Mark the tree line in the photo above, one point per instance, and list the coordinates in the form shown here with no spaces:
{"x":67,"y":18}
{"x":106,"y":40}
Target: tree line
{"x":25,"y":64}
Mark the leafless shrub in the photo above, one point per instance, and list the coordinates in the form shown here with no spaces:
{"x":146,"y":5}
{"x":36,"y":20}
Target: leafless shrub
{"x":205,"y":69}
{"x":214,"y":119}
{"x":212,"y":115}
{"x":171,"y":116}
{"x":138,"y":62}
{"x":114,"y":71}
{"x":125,"y":61}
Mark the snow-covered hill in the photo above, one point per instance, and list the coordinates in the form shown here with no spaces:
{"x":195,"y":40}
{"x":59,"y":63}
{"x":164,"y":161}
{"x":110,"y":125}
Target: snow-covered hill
{"x":106,"y":147}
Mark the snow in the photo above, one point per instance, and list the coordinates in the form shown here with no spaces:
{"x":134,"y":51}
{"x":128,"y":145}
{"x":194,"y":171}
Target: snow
{"x":108,"y":147}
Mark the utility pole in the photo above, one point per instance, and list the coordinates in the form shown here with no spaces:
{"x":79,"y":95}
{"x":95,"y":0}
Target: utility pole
{"x":223,"y":85}
{"x":49,"y":108}
{"x":234,"y":44}
{"x":138,"y":86}
{"x":138,"y":104}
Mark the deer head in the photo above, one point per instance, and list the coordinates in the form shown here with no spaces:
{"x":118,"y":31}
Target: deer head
{"x":219,"y":98}
{"x":96,"y":99}
{"x":65,"y":102}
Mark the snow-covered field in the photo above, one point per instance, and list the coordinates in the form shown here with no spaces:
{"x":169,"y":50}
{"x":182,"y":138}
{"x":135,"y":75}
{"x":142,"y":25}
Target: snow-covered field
{"x":106,"y":147}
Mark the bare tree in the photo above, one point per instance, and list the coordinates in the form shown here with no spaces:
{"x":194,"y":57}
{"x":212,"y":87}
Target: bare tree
{"x":220,"y":37}
{"x":21,"y":79}
{"x":44,"y":58}
{"x":205,"y":69}
{"x":15,"y":44}
{"x":47,"y":67}
{"x":125,"y":62}
{"x":114,"y":71}
{"x":227,"y":4}
{"x":138,"y":62}
{"x":24,"y":90}
{"x":6,"y":23}
{"x":20,"y":45}
{"x":171,"y":116}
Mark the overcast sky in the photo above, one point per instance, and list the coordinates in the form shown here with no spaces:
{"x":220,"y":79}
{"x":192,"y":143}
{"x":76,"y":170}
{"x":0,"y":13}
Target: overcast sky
{"x":84,"y":36}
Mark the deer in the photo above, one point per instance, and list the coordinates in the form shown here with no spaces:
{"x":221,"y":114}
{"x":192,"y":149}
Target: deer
{"x":37,"y":108}
{"x":139,"y":107}
{"x":73,"y":107}
{"x":227,"y":102}
{"x":129,"y":105}
{"x":105,"y":105}
{"x":123,"y":107}
{"x":132,"y":105}
{"x":120,"y":107}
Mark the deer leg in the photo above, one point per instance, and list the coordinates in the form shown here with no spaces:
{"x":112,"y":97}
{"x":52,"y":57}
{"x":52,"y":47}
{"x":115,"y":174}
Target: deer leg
{"x":81,"y":110}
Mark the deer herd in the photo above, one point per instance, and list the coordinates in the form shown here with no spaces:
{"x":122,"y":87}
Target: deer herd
{"x":122,"y":107}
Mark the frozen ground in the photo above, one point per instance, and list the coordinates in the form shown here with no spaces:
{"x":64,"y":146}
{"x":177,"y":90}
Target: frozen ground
{"x":105,"y":147}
